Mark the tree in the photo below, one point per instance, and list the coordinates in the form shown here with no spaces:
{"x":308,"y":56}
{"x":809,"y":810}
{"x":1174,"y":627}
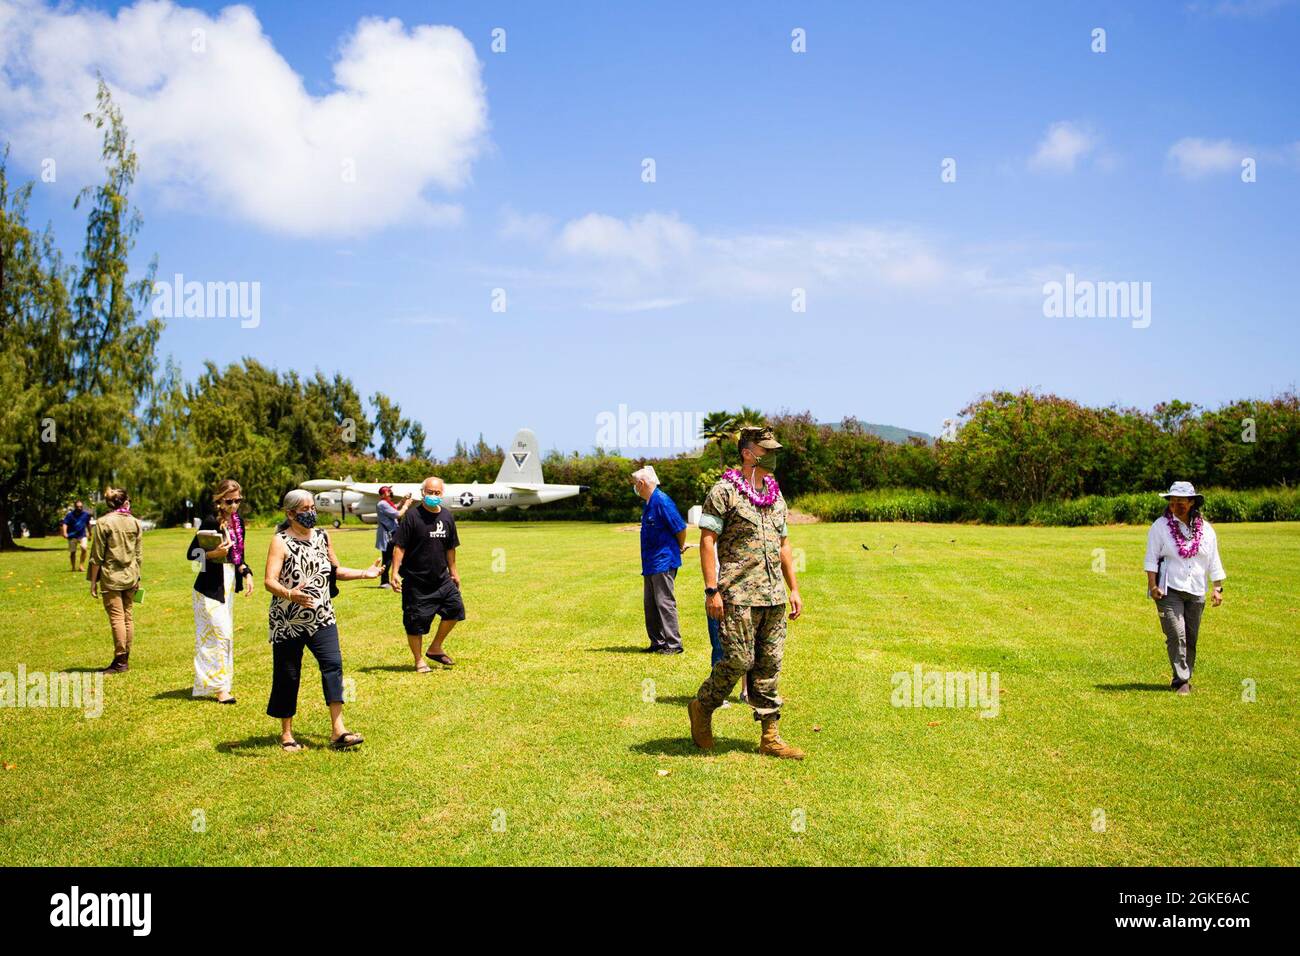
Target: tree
{"x":718,"y":428}
{"x":163,"y":469}
{"x":79,"y":356}
{"x":417,"y":442}
{"x":391,"y":425}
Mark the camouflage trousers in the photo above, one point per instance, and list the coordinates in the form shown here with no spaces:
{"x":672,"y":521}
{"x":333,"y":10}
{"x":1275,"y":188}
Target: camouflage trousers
{"x":753,"y":642}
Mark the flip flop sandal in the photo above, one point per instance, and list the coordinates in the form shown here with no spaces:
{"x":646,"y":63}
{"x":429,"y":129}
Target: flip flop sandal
{"x":443,"y":659}
{"x":426,"y":669}
{"x":291,"y":746}
{"x":346,"y":741}
{"x":228,"y":700}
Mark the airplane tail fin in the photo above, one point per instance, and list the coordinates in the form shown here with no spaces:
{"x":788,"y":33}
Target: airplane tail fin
{"x":523,"y":461}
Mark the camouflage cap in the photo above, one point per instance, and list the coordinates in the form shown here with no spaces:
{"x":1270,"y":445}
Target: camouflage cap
{"x":762,"y":437}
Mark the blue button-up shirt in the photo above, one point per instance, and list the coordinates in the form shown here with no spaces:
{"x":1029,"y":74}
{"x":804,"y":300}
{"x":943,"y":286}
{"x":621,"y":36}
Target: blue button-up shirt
{"x":77,"y":522}
{"x":660,"y":524}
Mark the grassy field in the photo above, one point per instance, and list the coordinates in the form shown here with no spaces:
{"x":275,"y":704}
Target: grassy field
{"x":548,"y":728}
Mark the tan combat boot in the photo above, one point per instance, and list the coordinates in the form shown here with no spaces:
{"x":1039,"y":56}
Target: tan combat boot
{"x":701,"y":725}
{"x":772,"y":745}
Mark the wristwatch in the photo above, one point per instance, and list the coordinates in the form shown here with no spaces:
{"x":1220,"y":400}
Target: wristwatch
{"x":709,"y":592}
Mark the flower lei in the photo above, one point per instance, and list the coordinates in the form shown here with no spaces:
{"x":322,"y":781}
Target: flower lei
{"x":1185,"y":550}
{"x":236,"y":541}
{"x":769,"y":495}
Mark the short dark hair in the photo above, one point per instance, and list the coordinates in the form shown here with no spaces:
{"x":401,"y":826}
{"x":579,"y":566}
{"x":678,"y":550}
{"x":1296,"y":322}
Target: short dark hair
{"x":742,"y":443}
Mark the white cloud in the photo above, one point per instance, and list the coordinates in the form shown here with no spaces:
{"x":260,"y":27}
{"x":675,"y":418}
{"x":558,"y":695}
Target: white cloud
{"x":222,"y":122}
{"x":1061,"y":148}
{"x":649,"y":242}
{"x":657,"y":261}
{"x":1193,"y":157}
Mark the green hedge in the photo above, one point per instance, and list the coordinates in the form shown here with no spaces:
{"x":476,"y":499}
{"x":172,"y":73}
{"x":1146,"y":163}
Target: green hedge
{"x":908,"y":504}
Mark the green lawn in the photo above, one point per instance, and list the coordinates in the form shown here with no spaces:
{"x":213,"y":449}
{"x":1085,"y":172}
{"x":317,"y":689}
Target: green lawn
{"x":544,"y":716}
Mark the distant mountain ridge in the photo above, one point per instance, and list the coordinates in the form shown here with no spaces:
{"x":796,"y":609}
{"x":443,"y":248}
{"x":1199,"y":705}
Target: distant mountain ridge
{"x":887,"y":432}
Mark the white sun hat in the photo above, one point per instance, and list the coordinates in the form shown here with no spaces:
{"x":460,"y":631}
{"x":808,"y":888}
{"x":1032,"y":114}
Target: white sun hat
{"x":1183,"y":489}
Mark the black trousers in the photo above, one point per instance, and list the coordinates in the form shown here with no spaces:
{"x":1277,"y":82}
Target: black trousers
{"x":388,"y":563}
{"x":286,"y":672}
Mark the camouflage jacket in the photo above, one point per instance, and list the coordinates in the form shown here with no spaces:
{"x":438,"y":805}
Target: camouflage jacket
{"x":749,"y":546}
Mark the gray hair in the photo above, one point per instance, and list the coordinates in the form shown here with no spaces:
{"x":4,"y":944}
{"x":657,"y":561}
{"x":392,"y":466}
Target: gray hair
{"x":646,"y":473}
{"x":296,"y":499}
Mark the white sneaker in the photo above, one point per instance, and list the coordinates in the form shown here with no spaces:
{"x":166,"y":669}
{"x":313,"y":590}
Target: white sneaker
{"x":725,"y":704}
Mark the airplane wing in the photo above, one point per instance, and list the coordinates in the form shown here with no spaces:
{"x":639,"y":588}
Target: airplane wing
{"x":363,"y":489}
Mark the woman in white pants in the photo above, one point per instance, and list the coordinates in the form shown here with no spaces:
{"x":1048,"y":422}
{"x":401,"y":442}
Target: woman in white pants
{"x":1182,"y":554}
{"x":223,"y":574}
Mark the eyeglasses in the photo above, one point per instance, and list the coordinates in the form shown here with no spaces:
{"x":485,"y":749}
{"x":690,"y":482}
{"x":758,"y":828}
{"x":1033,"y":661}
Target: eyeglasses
{"x":233,"y":501}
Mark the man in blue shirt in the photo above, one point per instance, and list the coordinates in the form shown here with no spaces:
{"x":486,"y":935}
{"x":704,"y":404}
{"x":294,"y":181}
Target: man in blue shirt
{"x":663,"y":536}
{"x":75,"y":526}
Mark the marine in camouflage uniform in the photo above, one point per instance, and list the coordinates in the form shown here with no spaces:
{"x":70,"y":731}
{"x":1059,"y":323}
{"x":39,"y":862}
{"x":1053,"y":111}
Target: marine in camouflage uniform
{"x":754,"y":567}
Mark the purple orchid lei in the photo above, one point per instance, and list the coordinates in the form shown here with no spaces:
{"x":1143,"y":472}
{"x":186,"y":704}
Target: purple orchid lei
{"x":1185,"y":550}
{"x":770,"y":492}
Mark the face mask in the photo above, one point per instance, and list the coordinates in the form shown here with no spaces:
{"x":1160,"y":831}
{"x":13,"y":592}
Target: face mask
{"x":306,"y":518}
{"x":432,"y":501}
{"x":767,"y":462}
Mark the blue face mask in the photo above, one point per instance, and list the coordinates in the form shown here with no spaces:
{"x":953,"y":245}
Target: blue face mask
{"x":306,"y":518}
{"x":432,"y":501}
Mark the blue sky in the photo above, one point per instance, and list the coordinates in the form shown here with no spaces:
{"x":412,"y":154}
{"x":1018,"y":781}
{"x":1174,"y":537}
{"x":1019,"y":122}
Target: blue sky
{"x":774,"y":170}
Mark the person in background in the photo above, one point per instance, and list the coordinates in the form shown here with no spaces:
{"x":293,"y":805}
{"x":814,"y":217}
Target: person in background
{"x":299,"y":570}
{"x":388,"y":514}
{"x":663,"y":538}
{"x":75,"y":526}
{"x":114,"y":572}
{"x":424,"y":574}
{"x":1182,"y":553}
{"x":223,"y":573}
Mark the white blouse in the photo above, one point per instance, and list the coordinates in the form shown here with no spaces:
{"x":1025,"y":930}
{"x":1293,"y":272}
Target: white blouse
{"x":1177,"y":572}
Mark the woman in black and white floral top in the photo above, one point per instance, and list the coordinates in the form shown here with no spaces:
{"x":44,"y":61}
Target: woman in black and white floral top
{"x":298,"y":571}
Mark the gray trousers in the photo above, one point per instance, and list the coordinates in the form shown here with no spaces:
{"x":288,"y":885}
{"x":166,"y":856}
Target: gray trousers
{"x":661,"y":610}
{"x":1180,"y":618}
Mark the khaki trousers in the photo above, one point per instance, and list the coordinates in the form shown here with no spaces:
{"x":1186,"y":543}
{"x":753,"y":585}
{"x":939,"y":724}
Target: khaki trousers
{"x":118,"y":605}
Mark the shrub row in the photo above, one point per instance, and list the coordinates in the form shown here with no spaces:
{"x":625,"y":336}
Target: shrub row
{"x":909,"y":504}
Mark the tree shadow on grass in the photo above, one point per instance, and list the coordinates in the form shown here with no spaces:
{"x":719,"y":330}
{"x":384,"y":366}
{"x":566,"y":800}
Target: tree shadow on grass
{"x":1133,"y":686}
{"x":684,"y":747}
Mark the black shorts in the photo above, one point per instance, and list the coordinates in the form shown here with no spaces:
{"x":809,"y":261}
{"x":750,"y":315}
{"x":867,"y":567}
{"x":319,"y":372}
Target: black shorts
{"x":420,"y":605}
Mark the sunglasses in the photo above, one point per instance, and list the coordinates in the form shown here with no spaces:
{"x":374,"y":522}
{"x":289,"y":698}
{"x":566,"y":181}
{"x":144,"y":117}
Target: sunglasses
{"x":233,"y":501}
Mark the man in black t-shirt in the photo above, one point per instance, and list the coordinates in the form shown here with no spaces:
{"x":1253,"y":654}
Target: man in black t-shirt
{"x":424,"y":574}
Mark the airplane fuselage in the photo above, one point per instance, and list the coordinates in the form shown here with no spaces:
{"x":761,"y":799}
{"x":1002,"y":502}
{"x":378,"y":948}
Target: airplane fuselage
{"x":364,"y":504}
